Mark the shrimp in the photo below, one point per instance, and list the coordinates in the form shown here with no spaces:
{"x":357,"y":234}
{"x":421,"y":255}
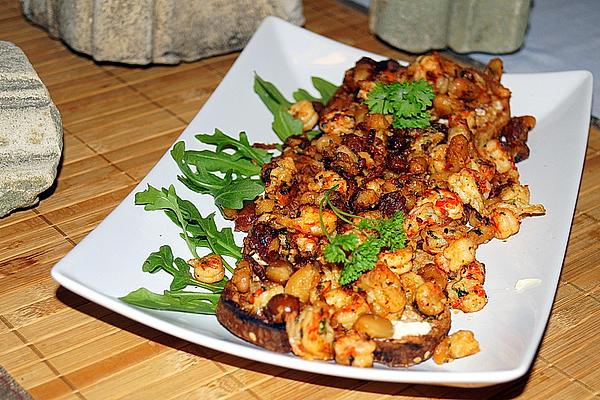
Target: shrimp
{"x":508,"y":209}
{"x":463,"y":183}
{"x":458,"y":254}
{"x":281,"y":179}
{"x":208,"y":269}
{"x":410,"y":282}
{"x":309,"y":221}
{"x":459,"y":344}
{"x":438,"y":158}
{"x":337,"y":123}
{"x":518,"y":195}
{"x":310,"y":333}
{"x":430,"y":298}
{"x":384,"y":291}
{"x":438,"y":206}
{"x":305,"y":112}
{"x":326,"y":180}
{"x":505,"y":221}
{"x":348,"y":306}
{"x":354,"y":349}
{"x":399,"y":261}
{"x":466,"y":291}
{"x":500,"y":157}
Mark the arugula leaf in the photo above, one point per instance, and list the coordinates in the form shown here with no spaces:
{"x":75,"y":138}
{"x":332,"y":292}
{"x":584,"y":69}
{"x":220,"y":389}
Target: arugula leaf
{"x":192,"y":302}
{"x":312,"y":134}
{"x":234,"y":192}
{"x":221,"y":162}
{"x":198,"y":231}
{"x":166,"y":199}
{"x":406,"y":101}
{"x":227,"y":191}
{"x":326,"y":89}
{"x":242,"y":146}
{"x":302,"y":94}
{"x":270,"y":95}
{"x":284,"y":125}
{"x":203,"y":232}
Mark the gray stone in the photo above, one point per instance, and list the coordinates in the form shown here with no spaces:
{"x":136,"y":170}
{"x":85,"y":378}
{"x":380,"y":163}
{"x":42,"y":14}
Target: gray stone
{"x":417,"y":26}
{"x":30,"y":132}
{"x":156,"y":31}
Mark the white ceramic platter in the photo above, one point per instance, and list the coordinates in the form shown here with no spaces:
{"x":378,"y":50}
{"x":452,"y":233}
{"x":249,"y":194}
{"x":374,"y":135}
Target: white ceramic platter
{"x":107,"y":263}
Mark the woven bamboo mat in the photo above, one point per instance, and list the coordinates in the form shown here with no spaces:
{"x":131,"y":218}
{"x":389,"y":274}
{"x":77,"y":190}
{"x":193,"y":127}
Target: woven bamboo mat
{"x":118,"y":121}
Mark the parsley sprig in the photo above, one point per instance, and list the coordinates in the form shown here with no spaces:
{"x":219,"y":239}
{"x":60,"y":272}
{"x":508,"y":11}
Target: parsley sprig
{"x":347,"y":249}
{"x":406,"y":101}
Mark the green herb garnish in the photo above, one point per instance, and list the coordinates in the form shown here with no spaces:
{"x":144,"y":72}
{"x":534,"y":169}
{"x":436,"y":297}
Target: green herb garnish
{"x":198,"y":232}
{"x":241,"y":166}
{"x":406,"y":101}
{"x":326,"y":90}
{"x":358,"y":258}
{"x":192,"y":302}
{"x":284,"y":125}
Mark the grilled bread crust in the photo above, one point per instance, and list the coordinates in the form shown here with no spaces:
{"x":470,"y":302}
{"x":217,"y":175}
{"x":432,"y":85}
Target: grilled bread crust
{"x":403,"y":352}
{"x":249,"y":327}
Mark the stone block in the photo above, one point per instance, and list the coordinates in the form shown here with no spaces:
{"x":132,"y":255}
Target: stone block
{"x":156,"y":31}
{"x":30,"y":132}
{"x":417,"y":26}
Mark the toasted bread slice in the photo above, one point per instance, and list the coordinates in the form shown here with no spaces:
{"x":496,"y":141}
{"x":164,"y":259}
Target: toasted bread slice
{"x":404,"y":352}
{"x":250,"y":327}
{"x":413,"y":349}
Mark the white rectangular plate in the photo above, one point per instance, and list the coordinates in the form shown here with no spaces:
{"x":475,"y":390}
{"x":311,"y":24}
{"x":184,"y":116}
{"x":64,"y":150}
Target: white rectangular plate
{"x":107,"y":263}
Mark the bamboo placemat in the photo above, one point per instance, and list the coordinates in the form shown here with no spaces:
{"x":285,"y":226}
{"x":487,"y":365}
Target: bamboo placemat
{"x":118,"y":121}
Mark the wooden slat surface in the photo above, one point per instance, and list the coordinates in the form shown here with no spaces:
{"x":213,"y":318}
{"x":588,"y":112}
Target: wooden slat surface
{"x":118,"y":121}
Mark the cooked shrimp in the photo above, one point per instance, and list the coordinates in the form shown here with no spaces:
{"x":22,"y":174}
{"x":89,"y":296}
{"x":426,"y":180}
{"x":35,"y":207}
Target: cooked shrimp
{"x":430,"y":298}
{"x":459,"y":344}
{"x":399,"y":261}
{"x":500,"y":157}
{"x":354,"y":349}
{"x":348,"y":306}
{"x":337,"y":123}
{"x":436,"y":207}
{"x":305,"y":112}
{"x":310,"y":333}
{"x":463,"y":183}
{"x":505,"y":221}
{"x":466,"y":291}
{"x":458,"y":254}
{"x":383,"y":290}
{"x":208,"y":269}
{"x":326,"y":180}
{"x":518,"y":195}
{"x":309,"y":221}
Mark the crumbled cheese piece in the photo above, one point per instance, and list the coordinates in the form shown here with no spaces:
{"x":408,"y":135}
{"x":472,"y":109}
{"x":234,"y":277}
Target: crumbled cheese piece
{"x":412,"y":328}
{"x":527,"y":283}
{"x":259,"y":260}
